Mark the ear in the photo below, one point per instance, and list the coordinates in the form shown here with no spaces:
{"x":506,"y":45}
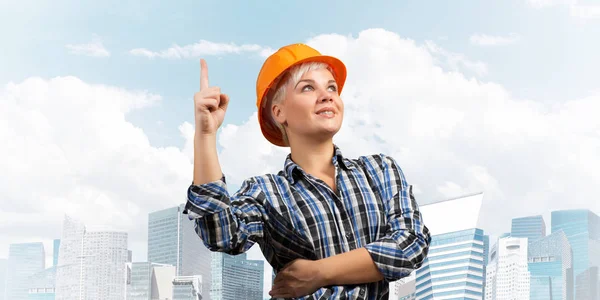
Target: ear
{"x":278,"y":112}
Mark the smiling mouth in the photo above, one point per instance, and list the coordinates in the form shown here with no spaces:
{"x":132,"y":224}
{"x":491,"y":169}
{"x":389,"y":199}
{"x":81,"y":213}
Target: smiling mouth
{"x":326,"y":113}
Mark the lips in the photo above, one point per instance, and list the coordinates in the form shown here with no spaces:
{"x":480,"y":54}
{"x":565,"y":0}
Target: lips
{"x":326,"y":111}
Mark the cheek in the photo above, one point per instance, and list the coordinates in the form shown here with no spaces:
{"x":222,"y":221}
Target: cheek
{"x":300,"y":110}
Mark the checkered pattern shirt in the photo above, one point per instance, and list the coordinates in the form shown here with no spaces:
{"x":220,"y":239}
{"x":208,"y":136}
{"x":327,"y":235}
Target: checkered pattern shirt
{"x":294,"y":215}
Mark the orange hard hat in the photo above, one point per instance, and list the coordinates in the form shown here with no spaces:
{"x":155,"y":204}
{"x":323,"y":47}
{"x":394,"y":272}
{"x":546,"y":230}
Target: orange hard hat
{"x":280,"y":62}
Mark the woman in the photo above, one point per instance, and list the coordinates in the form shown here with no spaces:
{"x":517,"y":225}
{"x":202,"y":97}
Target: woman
{"x":331,"y":227}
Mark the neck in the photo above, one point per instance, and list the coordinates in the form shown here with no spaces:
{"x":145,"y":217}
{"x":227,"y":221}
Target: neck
{"x":313,"y":156}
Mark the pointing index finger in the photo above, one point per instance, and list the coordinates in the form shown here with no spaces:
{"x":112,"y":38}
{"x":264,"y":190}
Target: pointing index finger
{"x":203,"y":75}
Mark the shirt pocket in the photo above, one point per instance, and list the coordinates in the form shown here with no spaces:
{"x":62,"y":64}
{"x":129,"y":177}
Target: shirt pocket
{"x":287,"y":243}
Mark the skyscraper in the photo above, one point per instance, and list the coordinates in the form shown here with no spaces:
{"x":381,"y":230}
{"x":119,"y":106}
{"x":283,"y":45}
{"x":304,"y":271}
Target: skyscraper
{"x":104,"y":267}
{"x":551,"y":267}
{"x":454,"y":266}
{"x":70,"y":261}
{"x":172,"y":240}
{"x":457,"y":255}
{"x":56,"y":244}
{"x":3,"y":264}
{"x":507,"y":275}
{"x":532,"y":228}
{"x":187,"y":288}
{"x":235,"y":277}
{"x":42,"y":285}
{"x":150,"y":281}
{"x":582,"y":228}
{"x":588,"y":284}
{"x":24,"y":260}
{"x":91,"y":265}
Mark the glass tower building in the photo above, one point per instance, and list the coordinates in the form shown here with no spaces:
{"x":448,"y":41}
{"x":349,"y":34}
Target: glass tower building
{"x":454,"y":266}
{"x":532,"y":228}
{"x":3,"y":263}
{"x":172,"y":240}
{"x":550,"y":261}
{"x":582,"y":228}
{"x":235,"y":277}
{"x":24,"y":260}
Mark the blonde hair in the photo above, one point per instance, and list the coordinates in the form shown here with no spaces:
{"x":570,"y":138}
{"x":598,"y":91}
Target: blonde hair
{"x":276,"y":93}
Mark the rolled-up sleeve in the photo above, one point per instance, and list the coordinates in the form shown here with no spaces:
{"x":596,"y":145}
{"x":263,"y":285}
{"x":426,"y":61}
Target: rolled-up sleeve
{"x":224,"y":223}
{"x":405,"y":244}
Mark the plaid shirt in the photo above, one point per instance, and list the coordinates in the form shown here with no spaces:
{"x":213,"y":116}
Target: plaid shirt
{"x":295,"y":215}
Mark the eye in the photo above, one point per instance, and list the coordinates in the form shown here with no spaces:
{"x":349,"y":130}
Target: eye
{"x":333,"y":88}
{"x":307,"y":87}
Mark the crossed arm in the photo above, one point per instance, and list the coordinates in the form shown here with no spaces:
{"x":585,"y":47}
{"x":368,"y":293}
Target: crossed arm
{"x":401,"y":250}
{"x":239,"y":224}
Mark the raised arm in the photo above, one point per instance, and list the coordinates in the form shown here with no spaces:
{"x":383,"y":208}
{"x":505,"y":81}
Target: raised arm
{"x":209,"y":111}
{"x":225,"y":223}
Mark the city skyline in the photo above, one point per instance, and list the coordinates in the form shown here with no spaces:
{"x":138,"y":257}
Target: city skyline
{"x":97,"y":121}
{"x":467,"y":206}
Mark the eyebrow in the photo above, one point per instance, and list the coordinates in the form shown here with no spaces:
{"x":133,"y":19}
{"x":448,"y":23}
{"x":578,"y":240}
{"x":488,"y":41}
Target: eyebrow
{"x":312,"y":81}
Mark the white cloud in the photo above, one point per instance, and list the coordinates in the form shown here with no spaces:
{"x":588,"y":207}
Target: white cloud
{"x":455,"y":61}
{"x":95,"y":48}
{"x":202,"y":48}
{"x":490,"y":40}
{"x":452,"y":135}
{"x":68,"y":148}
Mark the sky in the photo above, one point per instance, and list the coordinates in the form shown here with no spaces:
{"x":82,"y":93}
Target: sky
{"x":96,"y":110}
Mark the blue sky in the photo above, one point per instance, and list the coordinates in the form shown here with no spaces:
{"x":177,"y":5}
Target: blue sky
{"x":494,"y":96}
{"x":554,"y":59}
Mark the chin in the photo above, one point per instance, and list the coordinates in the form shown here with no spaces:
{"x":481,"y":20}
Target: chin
{"x":330,"y":131}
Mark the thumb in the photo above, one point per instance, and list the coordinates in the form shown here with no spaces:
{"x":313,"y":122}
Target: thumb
{"x":224,"y":102}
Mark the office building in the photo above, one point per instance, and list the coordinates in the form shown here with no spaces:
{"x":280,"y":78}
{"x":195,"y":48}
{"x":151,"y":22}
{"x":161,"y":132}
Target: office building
{"x":550,"y":261}
{"x":507,"y":273}
{"x":582,"y":228}
{"x":91,"y":265}
{"x":3,"y":265}
{"x":70,"y":261}
{"x":56,"y":248}
{"x":172,"y":240}
{"x":454,"y":266}
{"x":24,"y":260}
{"x":42,"y":285}
{"x":188,"y":288}
{"x":429,"y":282}
{"x":149,"y":281}
{"x":404,"y":288}
{"x":235,"y":277}
{"x":588,"y":284}
{"x":104,"y":268}
{"x":532,"y":228}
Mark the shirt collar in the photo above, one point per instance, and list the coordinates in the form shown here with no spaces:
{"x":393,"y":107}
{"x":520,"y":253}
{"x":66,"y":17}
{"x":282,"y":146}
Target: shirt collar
{"x":292,"y":170}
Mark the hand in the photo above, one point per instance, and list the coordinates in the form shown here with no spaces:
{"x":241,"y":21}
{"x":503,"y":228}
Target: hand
{"x":299,"y":278}
{"x":209,"y":104}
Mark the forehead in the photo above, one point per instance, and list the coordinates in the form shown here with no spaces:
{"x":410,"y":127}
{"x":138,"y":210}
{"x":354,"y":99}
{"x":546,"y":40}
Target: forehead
{"x":314,"y":71}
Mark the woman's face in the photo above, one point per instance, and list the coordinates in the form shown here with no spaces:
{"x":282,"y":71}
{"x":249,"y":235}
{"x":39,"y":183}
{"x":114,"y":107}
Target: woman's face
{"x":312,"y":107}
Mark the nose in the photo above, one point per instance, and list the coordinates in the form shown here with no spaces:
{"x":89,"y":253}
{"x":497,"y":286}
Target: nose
{"x":325,"y":96}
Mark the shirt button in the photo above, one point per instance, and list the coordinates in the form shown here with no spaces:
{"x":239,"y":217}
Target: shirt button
{"x":361,"y":292}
